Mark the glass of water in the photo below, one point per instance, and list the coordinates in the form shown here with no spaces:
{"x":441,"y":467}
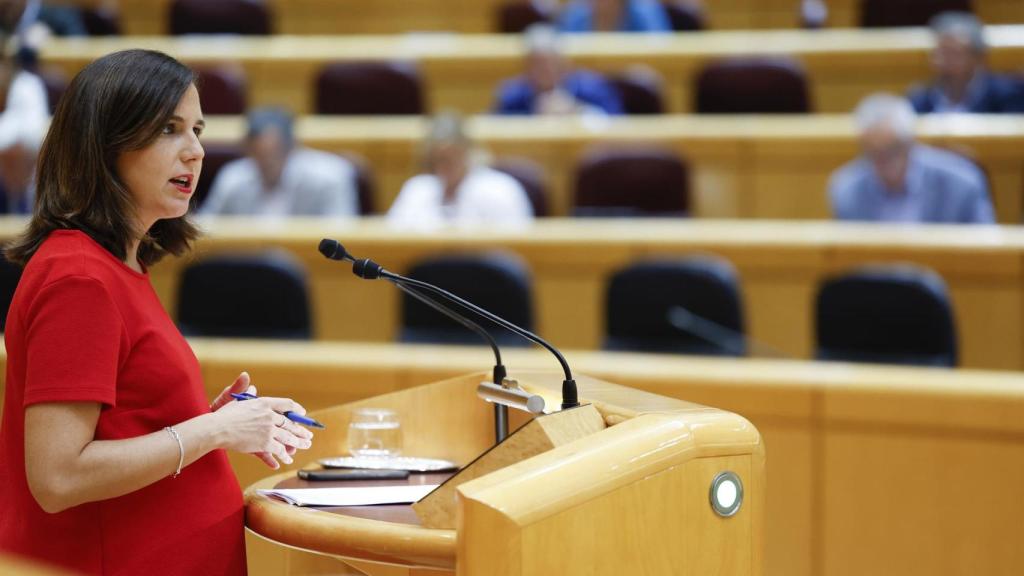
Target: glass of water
{"x":375,"y":432}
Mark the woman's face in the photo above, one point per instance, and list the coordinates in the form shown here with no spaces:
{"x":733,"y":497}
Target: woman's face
{"x":162,"y":176}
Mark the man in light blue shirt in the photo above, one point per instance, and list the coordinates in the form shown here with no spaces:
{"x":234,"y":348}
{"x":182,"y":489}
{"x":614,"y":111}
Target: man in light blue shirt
{"x":899,"y":180}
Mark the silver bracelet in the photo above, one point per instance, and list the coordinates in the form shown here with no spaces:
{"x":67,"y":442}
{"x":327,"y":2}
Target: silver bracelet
{"x":181,"y":449}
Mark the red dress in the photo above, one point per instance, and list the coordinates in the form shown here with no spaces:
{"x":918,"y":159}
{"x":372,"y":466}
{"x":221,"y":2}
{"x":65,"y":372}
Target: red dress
{"x":83,"y":326}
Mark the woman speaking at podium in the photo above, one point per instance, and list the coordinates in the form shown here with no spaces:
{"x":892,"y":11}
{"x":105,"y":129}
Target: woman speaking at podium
{"x":112,"y":460}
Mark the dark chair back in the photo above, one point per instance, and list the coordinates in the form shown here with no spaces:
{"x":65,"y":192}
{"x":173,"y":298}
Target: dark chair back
{"x":891,"y":13}
{"x":366,"y":185}
{"x":217,"y":155}
{"x":774,"y":85}
{"x":531,"y":177}
{"x":689,"y":306}
{"x":261,"y":295}
{"x":685,"y":16}
{"x":375,"y":88}
{"x":222,"y":90}
{"x":246,"y":17}
{"x":499,"y":283}
{"x":101,"y":21}
{"x":891,"y":314}
{"x":10,"y":275}
{"x":56,"y":84}
{"x":518,"y":15}
{"x":632,"y":182}
{"x":640,"y":90}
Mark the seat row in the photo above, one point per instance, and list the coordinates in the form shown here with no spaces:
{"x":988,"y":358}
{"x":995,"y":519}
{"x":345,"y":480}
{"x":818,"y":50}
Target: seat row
{"x":881,"y":314}
{"x":609,"y":182}
{"x":249,"y":17}
{"x":746,"y":85}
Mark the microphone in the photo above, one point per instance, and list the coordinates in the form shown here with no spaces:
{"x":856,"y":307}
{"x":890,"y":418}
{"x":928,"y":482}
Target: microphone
{"x":370,"y":270}
{"x":724,"y":337}
{"x":333,"y":250}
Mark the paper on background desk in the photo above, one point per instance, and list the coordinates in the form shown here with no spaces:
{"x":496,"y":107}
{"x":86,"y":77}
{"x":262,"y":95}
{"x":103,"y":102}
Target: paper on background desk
{"x":352,"y":496}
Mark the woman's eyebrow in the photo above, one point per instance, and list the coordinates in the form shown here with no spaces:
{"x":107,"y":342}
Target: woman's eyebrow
{"x":199,"y":122}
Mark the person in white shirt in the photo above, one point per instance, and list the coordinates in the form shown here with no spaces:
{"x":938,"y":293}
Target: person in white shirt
{"x":23,"y":122}
{"x":458,"y":189}
{"x":279,"y":178}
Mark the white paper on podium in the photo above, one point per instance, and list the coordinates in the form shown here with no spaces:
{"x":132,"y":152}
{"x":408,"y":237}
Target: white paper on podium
{"x":354,"y":496}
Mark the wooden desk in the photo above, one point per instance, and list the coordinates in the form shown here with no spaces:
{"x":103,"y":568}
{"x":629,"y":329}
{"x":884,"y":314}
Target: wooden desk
{"x":921,"y":467}
{"x":464,"y":71}
{"x":394,"y":16}
{"x":755,"y":167}
{"x":779,"y":263}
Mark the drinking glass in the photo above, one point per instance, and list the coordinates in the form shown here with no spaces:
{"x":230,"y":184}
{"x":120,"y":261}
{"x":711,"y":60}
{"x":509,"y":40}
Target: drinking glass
{"x":375,"y":432}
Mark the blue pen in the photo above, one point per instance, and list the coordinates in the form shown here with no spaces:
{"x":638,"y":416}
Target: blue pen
{"x":299,"y":418}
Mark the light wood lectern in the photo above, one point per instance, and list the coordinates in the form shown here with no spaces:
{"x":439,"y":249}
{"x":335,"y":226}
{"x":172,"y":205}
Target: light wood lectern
{"x":633,"y":498}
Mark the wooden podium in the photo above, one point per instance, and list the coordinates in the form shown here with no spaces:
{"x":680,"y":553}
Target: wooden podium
{"x":634,"y":497}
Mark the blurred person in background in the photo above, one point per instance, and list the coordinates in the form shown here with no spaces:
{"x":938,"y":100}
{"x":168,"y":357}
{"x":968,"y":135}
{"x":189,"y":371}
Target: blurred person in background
{"x":897,"y":179}
{"x":280,"y":178}
{"x":550,"y":86}
{"x":24,"y":114}
{"x":962,"y":82}
{"x":614,"y":16}
{"x":458,"y":188}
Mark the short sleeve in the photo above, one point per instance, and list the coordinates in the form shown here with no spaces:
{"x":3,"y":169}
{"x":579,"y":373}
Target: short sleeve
{"x":75,"y":340}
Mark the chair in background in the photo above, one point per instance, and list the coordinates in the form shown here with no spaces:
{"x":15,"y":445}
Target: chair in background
{"x":216,"y":156}
{"x":632,"y":182}
{"x":262,"y":295}
{"x":687,"y":306}
{"x":246,"y":17}
{"x":375,"y":88}
{"x":891,"y":13}
{"x":685,"y":16}
{"x":499,"y":283}
{"x":222,"y":89}
{"x":101,"y":21}
{"x":640,"y":88}
{"x":55,"y":81}
{"x":366,"y":185}
{"x":10,"y":275}
{"x":518,"y":15}
{"x":886,"y":314}
{"x":531,"y":177}
{"x":776,"y":85}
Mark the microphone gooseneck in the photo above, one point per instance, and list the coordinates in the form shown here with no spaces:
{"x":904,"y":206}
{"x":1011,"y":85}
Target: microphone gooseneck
{"x":369,"y":270}
{"x":725,"y":338}
{"x":467,"y":323}
{"x":333,"y":250}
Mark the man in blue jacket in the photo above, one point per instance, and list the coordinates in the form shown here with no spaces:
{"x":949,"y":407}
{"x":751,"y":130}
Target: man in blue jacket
{"x":550,"y":86}
{"x":962,"y":82}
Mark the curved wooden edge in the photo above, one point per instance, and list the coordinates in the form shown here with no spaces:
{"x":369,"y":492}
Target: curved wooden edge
{"x":335,"y":534}
{"x":623,"y":454}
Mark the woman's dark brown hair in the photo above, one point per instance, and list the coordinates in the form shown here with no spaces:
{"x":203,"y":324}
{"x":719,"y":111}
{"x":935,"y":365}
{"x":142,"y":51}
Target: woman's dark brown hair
{"x":118,"y":103}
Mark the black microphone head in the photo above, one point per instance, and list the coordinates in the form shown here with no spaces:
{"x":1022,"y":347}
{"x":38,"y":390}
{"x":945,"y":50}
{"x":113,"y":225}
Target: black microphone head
{"x":334,"y":250}
{"x":366,"y":269}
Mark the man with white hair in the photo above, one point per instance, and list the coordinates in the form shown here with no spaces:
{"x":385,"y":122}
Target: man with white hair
{"x":962,"y":82}
{"x":899,"y":180}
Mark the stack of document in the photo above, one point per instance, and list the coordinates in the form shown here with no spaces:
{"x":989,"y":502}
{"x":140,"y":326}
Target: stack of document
{"x":353,"y":496}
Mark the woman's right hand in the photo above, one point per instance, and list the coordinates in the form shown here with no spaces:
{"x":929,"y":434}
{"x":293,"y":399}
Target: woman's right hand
{"x":259,"y":427}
